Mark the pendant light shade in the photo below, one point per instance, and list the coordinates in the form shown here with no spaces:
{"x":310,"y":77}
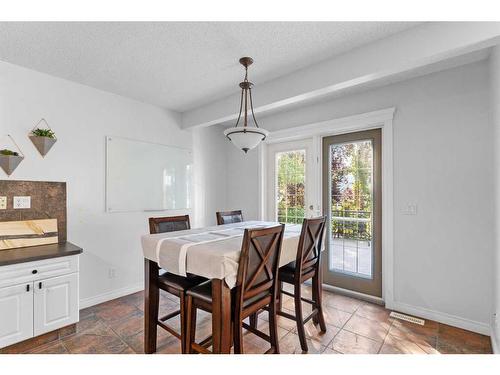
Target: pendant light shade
{"x":246,"y":137}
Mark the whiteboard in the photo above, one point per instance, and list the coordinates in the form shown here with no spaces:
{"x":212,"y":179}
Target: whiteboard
{"x":144,"y":176}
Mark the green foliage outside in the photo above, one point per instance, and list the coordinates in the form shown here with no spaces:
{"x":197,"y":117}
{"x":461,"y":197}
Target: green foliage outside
{"x":293,"y":215}
{"x":351,"y":166}
{"x":291,"y":183}
{"x":351,"y":185}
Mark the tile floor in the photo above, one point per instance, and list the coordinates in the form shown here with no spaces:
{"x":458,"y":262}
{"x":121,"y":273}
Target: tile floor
{"x":354,"y":326}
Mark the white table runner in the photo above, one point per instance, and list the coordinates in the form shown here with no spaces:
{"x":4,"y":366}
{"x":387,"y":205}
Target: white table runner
{"x":212,"y":252}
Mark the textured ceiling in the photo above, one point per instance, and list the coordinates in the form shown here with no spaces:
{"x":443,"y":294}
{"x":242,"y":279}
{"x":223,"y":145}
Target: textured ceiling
{"x":179,"y":65}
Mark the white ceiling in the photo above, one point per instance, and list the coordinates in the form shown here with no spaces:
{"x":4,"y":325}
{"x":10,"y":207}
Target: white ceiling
{"x":179,"y":65}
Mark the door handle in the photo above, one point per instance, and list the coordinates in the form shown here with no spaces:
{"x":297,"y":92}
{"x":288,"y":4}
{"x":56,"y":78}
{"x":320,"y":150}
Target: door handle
{"x":28,"y":287}
{"x":40,"y":285}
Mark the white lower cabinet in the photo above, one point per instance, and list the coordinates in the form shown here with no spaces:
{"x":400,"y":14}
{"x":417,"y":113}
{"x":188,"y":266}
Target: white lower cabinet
{"x":55,"y":303}
{"x":16,"y":314}
{"x":37,"y":304}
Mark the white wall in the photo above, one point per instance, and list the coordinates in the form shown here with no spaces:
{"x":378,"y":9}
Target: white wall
{"x":220,"y":168}
{"x":81,"y":116}
{"x":242,"y":181}
{"x":210,"y":174}
{"x":495,"y":112}
{"x":443,"y":161}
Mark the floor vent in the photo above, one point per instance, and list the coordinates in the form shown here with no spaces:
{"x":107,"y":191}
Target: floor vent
{"x":407,"y":318}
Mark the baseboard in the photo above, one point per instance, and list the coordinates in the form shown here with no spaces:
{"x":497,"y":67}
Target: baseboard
{"x":452,"y":320}
{"x":91,"y":301}
{"x":495,"y":344}
{"x":353,"y":294}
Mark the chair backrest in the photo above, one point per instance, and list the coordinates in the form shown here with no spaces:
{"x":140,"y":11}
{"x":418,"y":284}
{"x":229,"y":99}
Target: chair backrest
{"x":310,"y":242}
{"x":168,"y":224}
{"x":258,"y":267}
{"x":229,"y":217}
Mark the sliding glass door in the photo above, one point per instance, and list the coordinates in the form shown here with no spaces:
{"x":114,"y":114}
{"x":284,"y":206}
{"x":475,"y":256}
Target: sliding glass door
{"x":352,"y":201}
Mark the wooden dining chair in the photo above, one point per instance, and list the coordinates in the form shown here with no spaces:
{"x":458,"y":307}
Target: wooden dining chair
{"x":171,"y":283}
{"x":307,"y":266}
{"x":229,"y":217}
{"x":256,"y":287}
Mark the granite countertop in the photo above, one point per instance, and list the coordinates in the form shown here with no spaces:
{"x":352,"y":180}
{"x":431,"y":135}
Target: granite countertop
{"x":34,"y":253}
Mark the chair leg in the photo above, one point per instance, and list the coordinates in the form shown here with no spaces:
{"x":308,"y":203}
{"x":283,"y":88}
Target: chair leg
{"x":273,"y":328}
{"x":315,"y":299}
{"x":254,"y":319}
{"x":238,"y":336}
{"x":318,"y":298}
{"x":190,"y":324}
{"x":280,"y":296}
{"x":300,"y":318}
{"x":182,"y":298}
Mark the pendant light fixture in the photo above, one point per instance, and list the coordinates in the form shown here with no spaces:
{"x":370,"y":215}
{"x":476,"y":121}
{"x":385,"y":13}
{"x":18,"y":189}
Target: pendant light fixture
{"x":246,"y":137}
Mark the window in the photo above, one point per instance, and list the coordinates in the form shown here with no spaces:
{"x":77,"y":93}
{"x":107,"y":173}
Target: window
{"x":290,"y":186}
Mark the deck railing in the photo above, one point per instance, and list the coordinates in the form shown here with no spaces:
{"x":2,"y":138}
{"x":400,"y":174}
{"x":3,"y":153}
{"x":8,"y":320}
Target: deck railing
{"x":351,"y":224}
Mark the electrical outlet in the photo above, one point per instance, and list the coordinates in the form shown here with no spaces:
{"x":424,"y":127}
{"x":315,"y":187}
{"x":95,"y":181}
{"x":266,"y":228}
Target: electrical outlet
{"x":22,"y":202}
{"x":3,"y":203}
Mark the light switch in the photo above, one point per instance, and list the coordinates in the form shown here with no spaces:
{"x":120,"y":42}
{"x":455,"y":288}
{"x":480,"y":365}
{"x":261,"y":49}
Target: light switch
{"x":22,"y":202}
{"x":3,"y":203}
{"x":410,"y":209}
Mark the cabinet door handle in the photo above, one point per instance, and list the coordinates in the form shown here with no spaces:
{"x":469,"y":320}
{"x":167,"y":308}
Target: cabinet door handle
{"x":40,"y":285}
{"x":34,"y":272}
{"x":28,"y":287}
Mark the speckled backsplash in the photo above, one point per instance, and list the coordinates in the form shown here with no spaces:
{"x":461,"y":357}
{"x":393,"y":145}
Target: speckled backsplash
{"x":48,"y":201}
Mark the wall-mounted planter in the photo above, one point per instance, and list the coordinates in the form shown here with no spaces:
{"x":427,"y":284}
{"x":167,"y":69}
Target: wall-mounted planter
{"x":43,"y":144}
{"x":43,"y":138}
{"x":10,"y":162}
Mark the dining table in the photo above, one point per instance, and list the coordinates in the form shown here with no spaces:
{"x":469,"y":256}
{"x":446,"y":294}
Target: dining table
{"x":212,"y":252}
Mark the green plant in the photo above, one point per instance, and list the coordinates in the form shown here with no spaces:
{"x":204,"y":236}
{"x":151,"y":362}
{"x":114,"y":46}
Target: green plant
{"x":8,"y":152}
{"x":43,"y":133}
